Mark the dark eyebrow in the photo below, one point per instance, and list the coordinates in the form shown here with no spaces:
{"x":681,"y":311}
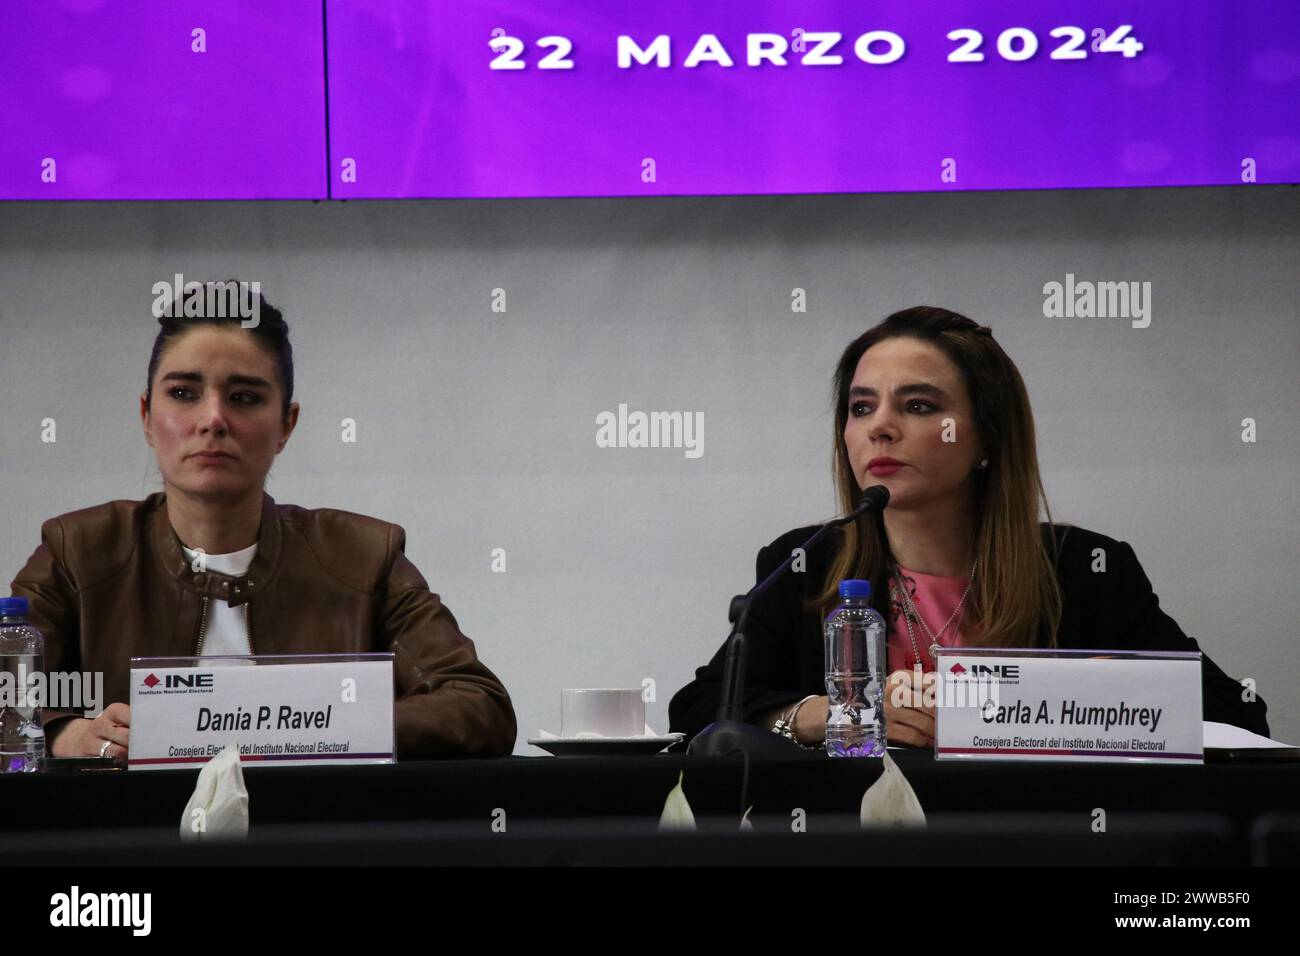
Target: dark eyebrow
{"x":914,"y":388}
{"x":252,"y":380}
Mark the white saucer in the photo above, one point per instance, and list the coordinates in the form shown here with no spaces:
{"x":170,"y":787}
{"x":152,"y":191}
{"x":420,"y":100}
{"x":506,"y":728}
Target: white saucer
{"x":604,"y":746}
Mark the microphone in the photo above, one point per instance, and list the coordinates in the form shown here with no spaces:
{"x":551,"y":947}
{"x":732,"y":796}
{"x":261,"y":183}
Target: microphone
{"x":729,"y":733}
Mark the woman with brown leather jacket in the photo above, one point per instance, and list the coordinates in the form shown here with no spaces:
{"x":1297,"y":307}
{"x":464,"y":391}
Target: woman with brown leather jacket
{"x":212,"y":565}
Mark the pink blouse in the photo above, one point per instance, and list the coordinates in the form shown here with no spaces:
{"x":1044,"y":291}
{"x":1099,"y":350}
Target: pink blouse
{"x":935,"y":598}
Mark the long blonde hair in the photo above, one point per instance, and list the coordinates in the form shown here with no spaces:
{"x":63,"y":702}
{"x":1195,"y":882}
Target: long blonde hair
{"x":1016,"y":594}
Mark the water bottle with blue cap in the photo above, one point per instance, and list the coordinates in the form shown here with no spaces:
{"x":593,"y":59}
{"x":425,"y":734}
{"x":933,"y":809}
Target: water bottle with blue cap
{"x":855,"y":674}
{"x":22,"y":659}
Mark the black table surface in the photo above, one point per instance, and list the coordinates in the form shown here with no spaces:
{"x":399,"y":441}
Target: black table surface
{"x":593,"y":788}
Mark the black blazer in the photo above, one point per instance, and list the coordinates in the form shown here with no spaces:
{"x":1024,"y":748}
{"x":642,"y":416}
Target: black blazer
{"x":1115,"y":610}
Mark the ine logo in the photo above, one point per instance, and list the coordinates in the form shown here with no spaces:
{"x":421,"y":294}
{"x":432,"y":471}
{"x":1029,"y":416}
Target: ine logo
{"x":103,"y":909}
{"x":981,"y":671}
{"x":179,"y":681}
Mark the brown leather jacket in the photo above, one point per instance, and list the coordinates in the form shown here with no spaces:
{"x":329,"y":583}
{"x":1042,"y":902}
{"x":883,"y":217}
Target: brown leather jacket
{"x":111,"y":582}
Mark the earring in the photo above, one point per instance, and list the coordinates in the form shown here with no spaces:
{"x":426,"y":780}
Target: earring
{"x":984,"y":463}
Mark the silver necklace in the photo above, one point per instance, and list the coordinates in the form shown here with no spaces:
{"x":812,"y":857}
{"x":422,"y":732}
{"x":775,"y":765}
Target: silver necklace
{"x":909,"y":609}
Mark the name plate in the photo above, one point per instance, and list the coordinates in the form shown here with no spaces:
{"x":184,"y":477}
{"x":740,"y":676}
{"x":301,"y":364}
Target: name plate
{"x":293,"y":710}
{"x":1108,"y":706}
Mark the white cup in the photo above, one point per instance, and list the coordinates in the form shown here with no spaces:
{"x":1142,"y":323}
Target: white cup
{"x":602,"y":712}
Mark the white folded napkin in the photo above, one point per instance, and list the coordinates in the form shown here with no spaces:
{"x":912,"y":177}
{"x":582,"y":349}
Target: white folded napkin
{"x":677,"y":813}
{"x":219,"y":805}
{"x":1235,"y":738}
{"x":891,"y":801}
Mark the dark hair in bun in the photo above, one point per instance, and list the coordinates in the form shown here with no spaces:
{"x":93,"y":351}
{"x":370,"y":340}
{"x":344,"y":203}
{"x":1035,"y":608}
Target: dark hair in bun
{"x":271,"y":329}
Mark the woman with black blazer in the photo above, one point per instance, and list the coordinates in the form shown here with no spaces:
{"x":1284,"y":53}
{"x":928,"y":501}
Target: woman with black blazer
{"x":929,"y":405}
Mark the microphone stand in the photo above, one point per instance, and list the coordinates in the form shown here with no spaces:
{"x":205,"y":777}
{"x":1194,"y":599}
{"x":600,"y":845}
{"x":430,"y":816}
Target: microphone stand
{"x":729,"y":733}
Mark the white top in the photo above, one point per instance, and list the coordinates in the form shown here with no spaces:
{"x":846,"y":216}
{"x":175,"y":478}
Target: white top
{"x":227,"y":631}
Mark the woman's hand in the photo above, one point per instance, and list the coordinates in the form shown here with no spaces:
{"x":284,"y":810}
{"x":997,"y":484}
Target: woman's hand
{"x":83,"y":737}
{"x":911,"y":722}
{"x":904,"y":724}
{"x":908,"y":720}
{"x":810,"y":722}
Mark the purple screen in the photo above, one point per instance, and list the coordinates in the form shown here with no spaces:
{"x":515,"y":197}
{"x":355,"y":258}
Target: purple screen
{"x":116,"y":95}
{"x":1213,"y":92}
{"x":110,"y":100}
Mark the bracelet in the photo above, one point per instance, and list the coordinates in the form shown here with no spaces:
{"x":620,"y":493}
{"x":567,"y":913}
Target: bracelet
{"x":785,"y":725}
